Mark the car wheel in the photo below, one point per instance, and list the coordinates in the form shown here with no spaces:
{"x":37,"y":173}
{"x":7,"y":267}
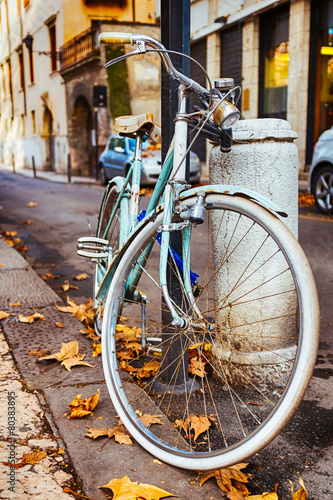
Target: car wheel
{"x":323,"y":189}
{"x":102,"y":175}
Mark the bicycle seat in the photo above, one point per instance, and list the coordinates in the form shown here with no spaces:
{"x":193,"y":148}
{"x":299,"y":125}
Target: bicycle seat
{"x":128,"y":125}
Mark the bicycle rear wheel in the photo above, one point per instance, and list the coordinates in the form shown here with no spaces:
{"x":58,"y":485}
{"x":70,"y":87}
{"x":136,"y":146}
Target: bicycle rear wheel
{"x":241,"y":367}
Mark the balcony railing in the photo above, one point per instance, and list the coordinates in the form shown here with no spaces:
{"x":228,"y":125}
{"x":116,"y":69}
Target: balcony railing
{"x":80,"y":47}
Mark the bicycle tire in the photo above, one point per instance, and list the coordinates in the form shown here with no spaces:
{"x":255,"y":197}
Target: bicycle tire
{"x":250,"y":385}
{"x":112,"y":235}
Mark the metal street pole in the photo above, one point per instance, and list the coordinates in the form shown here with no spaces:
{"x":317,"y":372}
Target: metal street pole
{"x":175,"y":35}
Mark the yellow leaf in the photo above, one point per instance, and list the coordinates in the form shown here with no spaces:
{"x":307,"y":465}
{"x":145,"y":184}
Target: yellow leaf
{"x":15,"y":304}
{"x":28,"y":222}
{"x":40,"y":352}
{"x":125,"y":489}
{"x":264,"y":496}
{"x":28,"y":458}
{"x":4,"y":315}
{"x":82,"y":407}
{"x":300,"y":494}
{"x":32,"y":204}
{"x":59,"y":325}
{"x":82,"y":276}
{"x":197,"y":367}
{"x":31,"y":318}
{"x":68,"y":350}
{"x":97,"y":350}
{"x":90,"y":332}
{"x":225,"y":478}
{"x":120,"y":434}
{"x":66,"y":286}
{"x":75,"y":361}
{"x":148,"y":419}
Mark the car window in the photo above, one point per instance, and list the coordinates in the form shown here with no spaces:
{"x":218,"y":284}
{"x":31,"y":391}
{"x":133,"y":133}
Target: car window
{"x":120,"y":142}
{"x":112,"y":143}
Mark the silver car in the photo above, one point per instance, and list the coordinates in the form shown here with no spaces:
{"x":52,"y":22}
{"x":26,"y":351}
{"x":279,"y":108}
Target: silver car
{"x":117,"y":157}
{"x":321,"y":173}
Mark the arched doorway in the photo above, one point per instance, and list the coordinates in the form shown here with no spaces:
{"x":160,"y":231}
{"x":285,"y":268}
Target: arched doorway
{"x":48,"y":139}
{"x":81,"y":144}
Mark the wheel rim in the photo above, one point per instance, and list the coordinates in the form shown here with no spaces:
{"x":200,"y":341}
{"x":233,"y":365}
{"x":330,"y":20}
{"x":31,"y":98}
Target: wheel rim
{"x":230,"y":412}
{"x":324,"y":191}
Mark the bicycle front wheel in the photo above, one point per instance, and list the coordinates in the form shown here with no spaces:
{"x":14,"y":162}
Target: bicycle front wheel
{"x":218,"y":391}
{"x":109,"y":230}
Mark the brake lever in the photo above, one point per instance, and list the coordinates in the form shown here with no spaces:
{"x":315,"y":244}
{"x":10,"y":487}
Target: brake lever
{"x":140,"y":49}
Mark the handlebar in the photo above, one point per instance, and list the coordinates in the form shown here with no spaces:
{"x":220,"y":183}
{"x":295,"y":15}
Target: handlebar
{"x":141,"y":41}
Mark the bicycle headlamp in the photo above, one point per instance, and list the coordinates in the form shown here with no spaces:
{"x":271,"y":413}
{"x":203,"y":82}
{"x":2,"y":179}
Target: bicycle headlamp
{"x":226,"y":115}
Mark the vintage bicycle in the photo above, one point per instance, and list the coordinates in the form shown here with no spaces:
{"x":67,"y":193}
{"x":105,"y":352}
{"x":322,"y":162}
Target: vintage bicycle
{"x":206,"y":301}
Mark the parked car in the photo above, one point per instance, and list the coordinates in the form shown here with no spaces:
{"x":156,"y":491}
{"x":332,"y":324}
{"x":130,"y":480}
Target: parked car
{"x":117,"y":157}
{"x":321,"y":173}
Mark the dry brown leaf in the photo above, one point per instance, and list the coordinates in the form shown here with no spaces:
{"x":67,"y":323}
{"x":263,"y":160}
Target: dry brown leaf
{"x":59,"y":324}
{"x":15,"y":304}
{"x":84,"y":312}
{"x":90,"y":332}
{"x":197,"y":367}
{"x":66,"y":286}
{"x":97,"y":350}
{"x":198,"y":423}
{"x":300,"y":494}
{"x":226,"y":477}
{"x":27,"y":222}
{"x":150,"y":369}
{"x":81,"y":407}
{"x":31,"y":318}
{"x":68,"y":355}
{"x":4,"y":315}
{"x":32,"y":204}
{"x":40,"y":352}
{"x":120,"y":434}
{"x":148,"y":419}
{"x":263,"y":496}
{"x":125,"y":489}
{"x":28,"y":458}
{"x":82,"y":276}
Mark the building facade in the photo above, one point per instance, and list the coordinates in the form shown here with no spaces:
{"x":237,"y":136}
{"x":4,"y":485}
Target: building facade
{"x":279,"y":52}
{"x":52,"y":67}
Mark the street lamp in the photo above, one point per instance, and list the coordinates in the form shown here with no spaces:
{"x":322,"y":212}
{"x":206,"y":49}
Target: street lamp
{"x":28,"y":41}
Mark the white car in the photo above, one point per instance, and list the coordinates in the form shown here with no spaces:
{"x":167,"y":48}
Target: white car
{"x":117,"y":157}
{"x":321,"y":173}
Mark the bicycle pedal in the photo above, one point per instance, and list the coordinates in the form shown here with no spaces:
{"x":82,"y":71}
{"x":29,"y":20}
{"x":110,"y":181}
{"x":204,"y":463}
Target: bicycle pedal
{"x":153,"y":350}
{"x":93,"y":247}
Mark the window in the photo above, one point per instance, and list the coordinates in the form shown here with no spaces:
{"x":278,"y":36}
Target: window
{"x":22,"y":126}
{"x":53,"y":45}
{"x":274,"y":65}
{"x":33,"y":121}
{"x":20,"y":58}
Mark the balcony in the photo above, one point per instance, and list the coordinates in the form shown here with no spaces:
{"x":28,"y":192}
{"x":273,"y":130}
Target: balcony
{"x":80,"y":49}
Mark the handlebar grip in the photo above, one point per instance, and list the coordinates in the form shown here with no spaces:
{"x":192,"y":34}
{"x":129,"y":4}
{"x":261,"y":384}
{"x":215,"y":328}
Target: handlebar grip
{"x":115,"y":37}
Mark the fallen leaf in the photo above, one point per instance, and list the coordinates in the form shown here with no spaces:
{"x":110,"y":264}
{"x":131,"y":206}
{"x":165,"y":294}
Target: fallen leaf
{"x":32,"y":204}
{"x":148,"y":419}
{"x":68,"y":355}
{"x":84,"y":312}
{"x":81,"y":407}
{"x":15,"y":304}
{"x":31,"y":318}
{"x":225,"y":478}
{"x":90,"y":332}
{"x":66,"y":286}
{"x":120,"y":434}
{"x":198,"y":423}
{"x":28,"y":222}
{"x":40,"y":352}
{"x":82,"y":276}
{"x":97,"y":350}
{"x":300,"y":494}
{"x":32,"y":458}
{"x":59,"y":324}
{"x":264,"y":496}
{"x":197,"y":367}
{"x":4,"y":315}
{"x":125,"y":489}
{"x":21,"y":248}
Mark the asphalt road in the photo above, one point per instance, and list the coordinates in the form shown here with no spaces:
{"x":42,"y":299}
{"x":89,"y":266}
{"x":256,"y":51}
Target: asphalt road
{"x":305,"y":447}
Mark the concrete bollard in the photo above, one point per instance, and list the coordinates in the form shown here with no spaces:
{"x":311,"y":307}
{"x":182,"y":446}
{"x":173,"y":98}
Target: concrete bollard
{"x":264,"y":158}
